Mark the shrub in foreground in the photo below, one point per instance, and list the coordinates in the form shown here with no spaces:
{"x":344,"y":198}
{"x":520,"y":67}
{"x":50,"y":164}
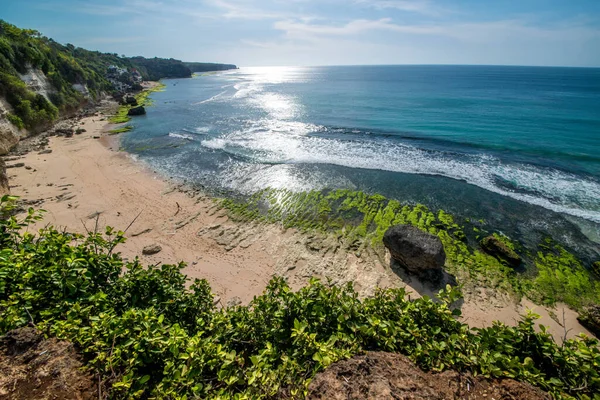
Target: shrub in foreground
{"x":146,"y":335}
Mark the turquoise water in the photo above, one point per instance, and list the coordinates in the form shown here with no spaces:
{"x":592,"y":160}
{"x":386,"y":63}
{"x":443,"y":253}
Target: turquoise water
{"x":507,"y":144}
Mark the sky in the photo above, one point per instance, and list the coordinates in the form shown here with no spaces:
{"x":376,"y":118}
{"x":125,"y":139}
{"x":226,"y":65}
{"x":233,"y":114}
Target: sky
{"x":325,"y":32}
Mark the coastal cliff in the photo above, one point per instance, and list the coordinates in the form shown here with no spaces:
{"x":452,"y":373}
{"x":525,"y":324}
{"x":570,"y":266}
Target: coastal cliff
{"x":42,"y":81}
{"x":209,"y":67}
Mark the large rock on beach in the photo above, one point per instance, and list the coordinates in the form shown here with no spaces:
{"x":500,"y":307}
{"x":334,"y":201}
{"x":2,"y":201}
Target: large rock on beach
{"x":590,"y":318}
{"x":140,"y":110}
{"x":417,"y":251}
{"x":497,"y":248}
{"x":130,"y":100}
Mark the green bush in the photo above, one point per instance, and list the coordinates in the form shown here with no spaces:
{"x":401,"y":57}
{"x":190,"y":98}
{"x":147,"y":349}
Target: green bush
{"x":15,"y":120}
{"x":146,"y":336}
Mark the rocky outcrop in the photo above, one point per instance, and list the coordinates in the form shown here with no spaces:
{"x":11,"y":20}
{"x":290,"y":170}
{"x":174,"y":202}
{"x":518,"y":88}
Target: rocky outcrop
{"x":590,"y":318}
{"x":419,"y":252}
{"x":379,"y":375}
{"x":140,"y":110}
{"x":83,"y":89}
{"x":498,"y":249}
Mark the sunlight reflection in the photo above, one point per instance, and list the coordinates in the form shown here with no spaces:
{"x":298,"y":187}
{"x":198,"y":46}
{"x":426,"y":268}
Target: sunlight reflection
{"x":276,"y":75}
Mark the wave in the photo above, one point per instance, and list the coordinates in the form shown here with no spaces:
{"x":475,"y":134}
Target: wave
{"x":552,"y":189}
{"x":213,"y":98}
{"x":246,"y":89}
{"x":199,"y":130}
{"x":180,"y":136}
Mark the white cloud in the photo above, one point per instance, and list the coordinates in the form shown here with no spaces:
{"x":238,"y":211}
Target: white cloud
{"x":243,"y":10}
{"x":298,"y":29}
{"x":424,"y":7}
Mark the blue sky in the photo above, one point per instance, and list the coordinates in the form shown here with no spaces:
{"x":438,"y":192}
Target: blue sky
{"x":325,"y":32}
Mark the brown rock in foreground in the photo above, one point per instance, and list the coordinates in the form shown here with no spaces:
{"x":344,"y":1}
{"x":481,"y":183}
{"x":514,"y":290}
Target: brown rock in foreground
{"x":34,"y":368}
{"x":379,"y":375}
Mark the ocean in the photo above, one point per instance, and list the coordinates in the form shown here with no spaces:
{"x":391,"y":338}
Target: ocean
{"x":517,"y":147}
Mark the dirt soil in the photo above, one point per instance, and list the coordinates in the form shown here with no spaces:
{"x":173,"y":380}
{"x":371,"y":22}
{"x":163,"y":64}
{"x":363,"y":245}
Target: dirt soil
{"x":380,"y":375}
{"x":32,"y":367}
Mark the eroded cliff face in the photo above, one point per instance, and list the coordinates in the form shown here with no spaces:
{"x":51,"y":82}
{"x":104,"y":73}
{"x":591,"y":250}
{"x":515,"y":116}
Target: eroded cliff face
{"x":9,"y":137}
{"x":37,"y":82}
{"x":9,"y":134}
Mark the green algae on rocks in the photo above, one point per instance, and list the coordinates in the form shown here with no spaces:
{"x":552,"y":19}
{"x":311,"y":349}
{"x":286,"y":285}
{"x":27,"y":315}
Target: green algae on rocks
{"x":554,"y":275}
{"x":142,"y":99}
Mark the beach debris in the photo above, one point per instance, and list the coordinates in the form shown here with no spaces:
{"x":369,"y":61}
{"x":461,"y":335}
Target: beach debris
{"x":234,"y":301}
{"x":147,"y":230}
{"x":498,"y":249}
{"x":94,"y":215}
{"x":185,"y":222}
{"x":65,"y":197}
{"x":66,"y":132}
{"x":139,"y":110}
{"x":17,"y":165}
{"x":590,"y":318}
{"x":416,"y":251}
{"x":152,"y":249}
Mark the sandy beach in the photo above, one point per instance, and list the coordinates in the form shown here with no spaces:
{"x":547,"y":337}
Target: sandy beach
{"x":86,"y":180}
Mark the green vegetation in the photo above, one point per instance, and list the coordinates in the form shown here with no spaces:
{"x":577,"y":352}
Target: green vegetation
{"x":144,"y":335}
{"x":154,"y":69}
{"x":363,"y":219}
{"x":208,"y":67}
{"x":123,"y":129}
{"x":64,"y":66}
{"x":562,"y":277}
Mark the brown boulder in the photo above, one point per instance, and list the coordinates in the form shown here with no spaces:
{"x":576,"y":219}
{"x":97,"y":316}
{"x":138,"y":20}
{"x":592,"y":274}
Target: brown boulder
{"x":379,"y":375}
{"x":152,"y":249}
{"x":498,"y":249}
